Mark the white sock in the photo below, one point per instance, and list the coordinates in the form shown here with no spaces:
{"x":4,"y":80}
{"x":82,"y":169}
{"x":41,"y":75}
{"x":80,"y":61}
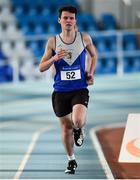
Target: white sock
{"x":76,"y":128}
{"x":71,"y":157}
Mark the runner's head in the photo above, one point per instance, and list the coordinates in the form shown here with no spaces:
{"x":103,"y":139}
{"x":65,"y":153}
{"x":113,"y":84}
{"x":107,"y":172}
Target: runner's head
{"x":70,"y":9}
{"x":67,"y":17}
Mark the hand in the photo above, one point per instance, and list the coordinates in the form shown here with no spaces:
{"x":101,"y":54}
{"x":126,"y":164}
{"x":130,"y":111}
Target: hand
{"x":60,"y":54}
{"x":90,"y":79}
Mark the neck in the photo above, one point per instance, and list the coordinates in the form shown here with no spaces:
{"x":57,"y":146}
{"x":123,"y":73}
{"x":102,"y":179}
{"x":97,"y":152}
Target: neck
{"x":68,"y":36}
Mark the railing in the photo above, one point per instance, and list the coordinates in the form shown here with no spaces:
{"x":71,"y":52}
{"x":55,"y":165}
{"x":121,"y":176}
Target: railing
{"x":120,"y":52}
{"x":16,"y":60}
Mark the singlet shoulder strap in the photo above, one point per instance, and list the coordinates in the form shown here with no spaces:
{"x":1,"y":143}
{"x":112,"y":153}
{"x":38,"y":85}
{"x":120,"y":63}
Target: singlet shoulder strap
{"x":54,"y":43}
{"x":82,"y":39}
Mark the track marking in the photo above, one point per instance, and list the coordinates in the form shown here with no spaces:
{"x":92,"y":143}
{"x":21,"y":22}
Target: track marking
{"x":98,"y":147}
{"x":7,"y":124}
{"x":31,"y":146}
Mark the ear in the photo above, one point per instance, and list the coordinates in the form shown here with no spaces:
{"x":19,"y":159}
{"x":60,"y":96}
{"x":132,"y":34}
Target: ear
{"x":59,"y":20}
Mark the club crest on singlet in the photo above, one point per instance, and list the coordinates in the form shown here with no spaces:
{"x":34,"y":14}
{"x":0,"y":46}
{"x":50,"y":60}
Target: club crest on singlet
{"x":73,"y":50}
{"x":69,"y":57}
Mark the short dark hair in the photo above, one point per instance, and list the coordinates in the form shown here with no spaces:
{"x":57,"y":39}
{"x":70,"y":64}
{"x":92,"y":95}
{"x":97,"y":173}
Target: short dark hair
{"x":70,"y":9}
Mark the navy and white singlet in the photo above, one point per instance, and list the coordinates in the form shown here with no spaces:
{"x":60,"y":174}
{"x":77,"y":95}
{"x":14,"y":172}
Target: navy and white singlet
{"x":71,"y":70}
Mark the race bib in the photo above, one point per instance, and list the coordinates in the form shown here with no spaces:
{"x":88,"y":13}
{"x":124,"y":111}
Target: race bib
{"x":71,"y":75}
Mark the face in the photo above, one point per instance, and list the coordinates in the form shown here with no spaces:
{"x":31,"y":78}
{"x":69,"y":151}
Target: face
{"x":67,"y":20}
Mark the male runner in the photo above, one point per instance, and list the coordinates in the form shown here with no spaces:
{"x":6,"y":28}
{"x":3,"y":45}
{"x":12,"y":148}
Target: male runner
{"x":67,"y":53}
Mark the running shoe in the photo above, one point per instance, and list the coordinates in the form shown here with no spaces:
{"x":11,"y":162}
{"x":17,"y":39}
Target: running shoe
{"x":72,"y":165}
{"x":78,"y":136}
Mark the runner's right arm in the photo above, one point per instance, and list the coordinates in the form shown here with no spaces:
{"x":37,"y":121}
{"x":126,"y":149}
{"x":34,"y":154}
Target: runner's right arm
{"x":47,"y":60}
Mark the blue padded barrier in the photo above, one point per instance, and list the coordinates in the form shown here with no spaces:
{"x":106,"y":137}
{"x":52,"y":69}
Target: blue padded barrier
{"x":106,"y":66}
{"x":112,"y":42}
{"x":101,"y":43}
{"x":87,"y":22}
{"x":6,"y":73}
{"x":136,"y":64}
{"x":130,"y":41}
{"x":108,"y":21}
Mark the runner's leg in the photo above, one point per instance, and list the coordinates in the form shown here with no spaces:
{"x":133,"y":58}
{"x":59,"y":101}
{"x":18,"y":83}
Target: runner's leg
{"x":79,"y":115}
{"x":67,"y":134}
{"x":79,"y":118}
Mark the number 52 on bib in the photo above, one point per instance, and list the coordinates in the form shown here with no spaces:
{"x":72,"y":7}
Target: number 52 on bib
{"x":71,"y":75}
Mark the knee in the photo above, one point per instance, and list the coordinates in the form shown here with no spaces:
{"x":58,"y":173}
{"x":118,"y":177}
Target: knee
{"x":66,"y":129}
{"x":78,"y":123}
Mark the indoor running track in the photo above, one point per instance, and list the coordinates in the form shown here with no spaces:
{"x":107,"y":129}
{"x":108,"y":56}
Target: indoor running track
{"x":30,"y":139}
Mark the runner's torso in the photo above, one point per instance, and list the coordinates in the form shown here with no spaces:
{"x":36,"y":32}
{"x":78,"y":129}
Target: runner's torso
{"x":70,"y":71}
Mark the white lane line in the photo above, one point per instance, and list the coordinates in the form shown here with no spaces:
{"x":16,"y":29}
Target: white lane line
{"x":98,"y":148}
{"x":35,"y":138}
{"x":7,"y":124}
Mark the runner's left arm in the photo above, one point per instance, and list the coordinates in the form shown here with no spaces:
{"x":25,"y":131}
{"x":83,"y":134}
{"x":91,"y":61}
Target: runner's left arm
{"x":93,"y":57}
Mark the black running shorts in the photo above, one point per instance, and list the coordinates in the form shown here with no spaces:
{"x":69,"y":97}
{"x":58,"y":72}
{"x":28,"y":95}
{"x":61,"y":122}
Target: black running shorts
{"x":64,"y":101}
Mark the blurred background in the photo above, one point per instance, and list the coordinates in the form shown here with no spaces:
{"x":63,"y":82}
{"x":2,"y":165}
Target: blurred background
{"x":25,"y":103}
{"x":25,"y":26}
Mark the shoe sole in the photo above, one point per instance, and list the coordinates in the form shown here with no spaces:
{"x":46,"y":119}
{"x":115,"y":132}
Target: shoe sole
{"x":70,"y":172}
